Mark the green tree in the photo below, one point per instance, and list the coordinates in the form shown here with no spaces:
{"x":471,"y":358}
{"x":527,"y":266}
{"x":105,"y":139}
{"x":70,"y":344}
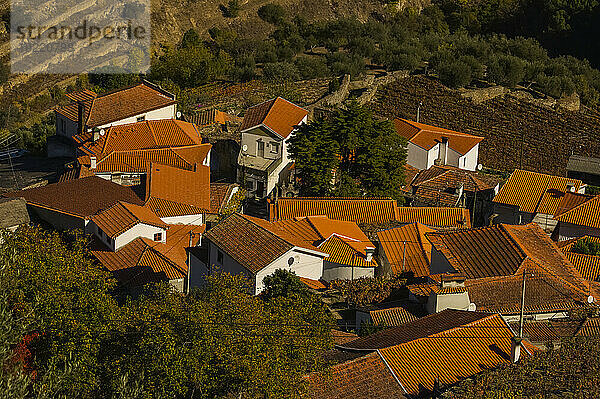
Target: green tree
{"x":283,"y":283}
{"x":272,"y":13}
{"x":455,"y":74}
{"x":586,"y":246}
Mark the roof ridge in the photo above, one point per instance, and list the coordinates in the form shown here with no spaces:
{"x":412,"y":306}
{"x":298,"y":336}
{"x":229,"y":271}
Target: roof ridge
{"x":558,"y":277}
{"x":245,"y":217}
{"x":517,"y":242}
{"x":594,"y":198}
{"x":152,"y":132}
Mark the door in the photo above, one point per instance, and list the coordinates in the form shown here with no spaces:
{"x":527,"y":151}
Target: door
{"x":260,"y":189}
{"x":261,"y":149}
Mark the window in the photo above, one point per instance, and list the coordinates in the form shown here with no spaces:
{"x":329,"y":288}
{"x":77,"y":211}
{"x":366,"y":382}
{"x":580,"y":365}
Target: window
{"x":220,"y":257}
{"x":261,"y":148}
{"x":141,"y":118}
{"x":250,"y":185}
{"x":63,"y":126}
{"x":158,"y":237}
{"x":275,"y":148}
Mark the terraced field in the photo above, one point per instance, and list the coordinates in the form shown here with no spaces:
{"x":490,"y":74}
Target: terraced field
{"x":518,"y":133}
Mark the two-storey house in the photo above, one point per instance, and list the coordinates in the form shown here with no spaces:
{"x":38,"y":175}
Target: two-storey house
{"x":264,"y":162}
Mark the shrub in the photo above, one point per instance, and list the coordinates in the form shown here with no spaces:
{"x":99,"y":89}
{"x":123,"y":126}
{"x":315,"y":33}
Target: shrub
{"x":586,"y":246}
{"x":368,"y":290}
{"x":312,"y":67}
{"x":233,"y":9}
{"x":272,"y":13}
{"x":280,"y":71}
{"x":506,"y":70}
{"x":190,"y":39}
{"x":456,"y":74}
{"x":342,"y":63}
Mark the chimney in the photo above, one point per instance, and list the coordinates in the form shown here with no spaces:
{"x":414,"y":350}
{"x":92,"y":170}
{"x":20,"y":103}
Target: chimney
{"x":515,"y":349}
{"x":444,"y":151}
{"x":369,"y":251}
{"x":80,"y":122}
{"x":95,"y":135}
{"x":92,"y":162}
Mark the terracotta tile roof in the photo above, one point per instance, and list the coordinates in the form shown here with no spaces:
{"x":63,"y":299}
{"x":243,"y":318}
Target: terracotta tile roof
{"x":220,"y":193}
{"x":75,"y":172}
{"x":410,"y":172}
{"x":366,"y":377}
{"x":421,"y":290}
{"x":416,"y":258}
{"x":143,"y":261}
{"x":207,"y":117}
{"x":81,"y":197}
{"x":115,"y":106}
{"x":535,"y":192}
{"x":451,"y":355}
{"x":253,"y":242}
{"x":567,"y":245}
{"x":343,"y":241}
{"x":544,"y":331}
{"x":587,"y":214}
{"x":340,"y":337}
{"x":314,"y":284}
{"x":359,"y":210}
{"x":587,"y":265}
{"x":392,"y":315}
{"x":435,"y":216}
{"x":590,"y":328}
{"x":178,"y":185}
{"x":122,"y":216}
{"x":570,"y":201}
{"x":165,"y":208}
{"x":341,"y":251}
{"x":429,"y":325}
{"x":427,"y":137}
{"x":448,"y":290}
{"x":279,"y":115}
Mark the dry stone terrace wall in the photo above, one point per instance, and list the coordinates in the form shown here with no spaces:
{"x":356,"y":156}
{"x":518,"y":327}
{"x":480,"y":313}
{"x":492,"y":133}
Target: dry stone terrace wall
{"x":549,"y":136}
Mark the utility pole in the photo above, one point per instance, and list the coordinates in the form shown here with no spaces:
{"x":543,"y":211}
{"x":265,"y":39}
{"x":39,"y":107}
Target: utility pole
{"x":522,"y":305}
{"x":404,"y":258}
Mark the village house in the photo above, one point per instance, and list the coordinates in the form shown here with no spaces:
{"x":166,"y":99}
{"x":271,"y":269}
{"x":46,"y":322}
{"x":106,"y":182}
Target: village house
{"x":578,"y":219}
{"x":532,"y":197}
{"x":586,"y":169}
{"x":388,"y":314}
{"x":487,"y":265}
{"x":587,"y":265}
{"x":431,"y":145}
{"x":90,"y":112}
{"x":264,"y":162}
{"x":448,"y":186}
{"x":123,"y":153}
{"x":405,"y":250}
{"x":435,"y":352}
{"x":315,"y":248}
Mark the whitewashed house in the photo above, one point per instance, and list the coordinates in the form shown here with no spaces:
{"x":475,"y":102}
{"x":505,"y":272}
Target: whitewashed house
{"x":264,"y":162}
{"x":580,"y":219}
{"x":431,"y":145}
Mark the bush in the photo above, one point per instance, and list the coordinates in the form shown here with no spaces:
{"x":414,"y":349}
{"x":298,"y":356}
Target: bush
{"x":272,"y":13}
{"x":368,"y":290}
{"x":280,"y":71}
{"x":190,"y":39}
{"x":342,"y":64}
{"x":233,"y":9}
{"x":586,"y":246}
{"x":456,"y":74}
{"x":506,"y":70}
{"x":312,"y":67}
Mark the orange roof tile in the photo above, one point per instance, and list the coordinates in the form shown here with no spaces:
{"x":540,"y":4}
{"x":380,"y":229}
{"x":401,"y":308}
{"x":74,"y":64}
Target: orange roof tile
{"x":359,"y":210}
{"x":122,"y":216}
{"x":535,"y":192}
{"x":178,"y":185}
{"x":417,"y":255}
{"x":165,"y":208}
{"x":435,"y":216}
{"x":396,"y":315}
{"x":341,"y":251}
{"x":314,"y":284}
{"x":117,"y":105}
{"x":587,"y":265}
{"x":590,"y":328}
{"x":570,"y":201}
{"x":427,"y":137}
{"x":587,"y":214}
{"x":278,"y":115}
{"x":220,"y":194}
{"x":449,"y":356}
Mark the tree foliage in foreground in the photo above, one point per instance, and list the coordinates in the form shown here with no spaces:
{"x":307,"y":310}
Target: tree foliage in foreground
{"x":64,"y":335}
{"x":573,"y":371}
{"x":349,"y":153}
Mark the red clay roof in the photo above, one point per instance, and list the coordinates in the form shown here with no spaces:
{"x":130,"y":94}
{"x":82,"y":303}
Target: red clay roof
{"x":427,"y":137}
{"x":535,"y":192}
{"x":587,"y":265}
{"x":435,"y":216}
{"x":359,"y":210}
{"x":178,"y":185}
{"x":115,"y":106}
{"x":446,"y":357}
{"x":165,"y":208}
{"x":587,"y":214}
{"x":122,"y":216}
{"x":394,"y":314}
{"x":80,"y":197}
{"x":314,"y":284}
{"x":220,"y":193}
{"x":279,"y":115}
{"x":366,"y":377}
{"x":570,"y":201}
{"x":417,"y":255}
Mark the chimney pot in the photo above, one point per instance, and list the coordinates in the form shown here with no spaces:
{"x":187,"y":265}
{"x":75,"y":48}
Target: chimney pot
{"x":369,"y":251}
{"x":515,"y":349}
{"x":92,"y":162}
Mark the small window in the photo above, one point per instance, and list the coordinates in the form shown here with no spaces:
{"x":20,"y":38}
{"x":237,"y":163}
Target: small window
{"x":275,"y":148}
{"x":250,"y":185}
{"x":141,"y":118}
{"x":158,"y":237}
{"x":220,"y":257}
{"x":291,"y":261}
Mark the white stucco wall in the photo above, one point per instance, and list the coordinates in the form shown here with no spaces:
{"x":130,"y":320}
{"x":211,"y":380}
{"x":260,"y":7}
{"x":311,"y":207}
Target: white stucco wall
{"x":137,"y":231}
{"x":471,"y":159}
{"x":416,"y":156}
{"x":336,"y":271}
{"x":195,"y":220}
{"x":437,"y":303}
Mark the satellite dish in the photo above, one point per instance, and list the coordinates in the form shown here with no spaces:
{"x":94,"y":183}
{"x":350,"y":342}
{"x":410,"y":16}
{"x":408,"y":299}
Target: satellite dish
{"x":472,"y":307}
{"x":479,"y":166}
{"x":244,"y":148}
{"x":178,"y":114}
{"x":590,"y":299}
{"x":102,"y":132}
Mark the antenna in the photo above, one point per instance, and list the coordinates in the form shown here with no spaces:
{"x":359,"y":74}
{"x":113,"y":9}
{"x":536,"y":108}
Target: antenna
{"x":419,"y":111}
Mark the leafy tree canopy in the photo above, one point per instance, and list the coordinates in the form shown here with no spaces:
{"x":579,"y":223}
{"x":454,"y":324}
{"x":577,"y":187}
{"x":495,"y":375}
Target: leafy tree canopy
{"x":283,"y":283}
{"x":349,"y":153}
{"x":586,"y":246}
